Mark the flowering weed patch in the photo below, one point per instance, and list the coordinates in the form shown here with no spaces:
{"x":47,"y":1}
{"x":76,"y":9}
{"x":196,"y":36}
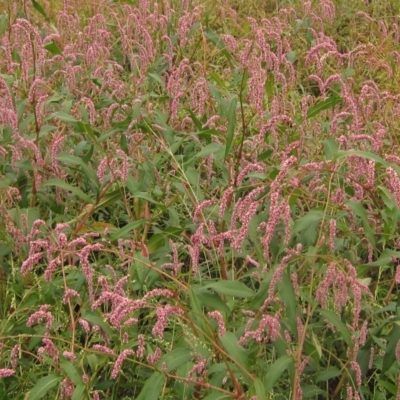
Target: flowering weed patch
{"x":199,"y":201}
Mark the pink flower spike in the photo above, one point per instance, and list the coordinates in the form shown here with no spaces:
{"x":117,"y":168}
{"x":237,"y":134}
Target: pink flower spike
{"x":118,"y":364}
{"x":4,"y":372}
{"x":220,"y":319}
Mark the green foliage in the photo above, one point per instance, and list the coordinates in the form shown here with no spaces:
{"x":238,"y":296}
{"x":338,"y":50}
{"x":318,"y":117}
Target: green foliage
{"x":199,"y":203}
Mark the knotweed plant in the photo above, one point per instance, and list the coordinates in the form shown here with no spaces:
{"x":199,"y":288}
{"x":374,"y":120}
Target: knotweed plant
{"x":199,"y":200}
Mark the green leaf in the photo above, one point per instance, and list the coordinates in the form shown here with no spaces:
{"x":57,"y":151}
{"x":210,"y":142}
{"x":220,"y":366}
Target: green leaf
{"x":31,"y":214}
{"x":39,"y":8}
{"x":52,"y":48}
{"x":311,"y":219}
{"x":337,"y":323}
{"x":287,"y":295}
{"x":69,"y":159}
{"x":275,"y":371}
{"x":216,"y":94}
{"x":359,"y":210}
{"x":93,"y":361}
{"x":330,"y":102}
{"x":87,"y":157}
{"x":147,"y":197}
{"x":197,"y":123}
{"x":71,"y":372}
{"x":123,"y":143}
{"x":260,"y":390}
{"x":387,"y":197}
{"x":385,"y":258}
{"x":291,"y":56}
{"x":45,"y":129}
{"x":262,"y":293}
{"x":66,"y":186}
{"x":43,"y":385}
{"x":316,"y":344}
{"x":157,"y":78}
{"x":212,"y":300}
{"x":192,"y":175}
{"x":153,"y":387}
{"x":331,"y":148}
{"x":363,"y":358}
{"x":78,"y":392}
{"x":231,"y":288}
{"x":231,"y":126}
{"x":308,"y":225}
{"x":216,"y":77}
{"x":390,"y":387}
{"x":176,"y":357}
{"x":209,"y":149}
{"x":123,"y":232}
{"x":214,"y":38}
{"x":313,"y":392}
{"x":236,"y":353}
{"x":194,"y":302}
{"x":4,"y":250}
{"x":390,"y":355}
{"x":63,"y":116}
{"x":327,"y":374}
{"x":159,"y":239}
{"x":109,"y":199}
{"x":270,"y":85}
{"x":156,"y":242}
{"x":89,"y":132}
{"x":94,"y":319}
{"x":3,"y":28}
{"x":265,"y":155}
{"x":348,"y":72}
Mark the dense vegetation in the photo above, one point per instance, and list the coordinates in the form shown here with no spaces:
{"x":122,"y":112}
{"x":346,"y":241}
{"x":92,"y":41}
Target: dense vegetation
{"x":199,"y":200}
